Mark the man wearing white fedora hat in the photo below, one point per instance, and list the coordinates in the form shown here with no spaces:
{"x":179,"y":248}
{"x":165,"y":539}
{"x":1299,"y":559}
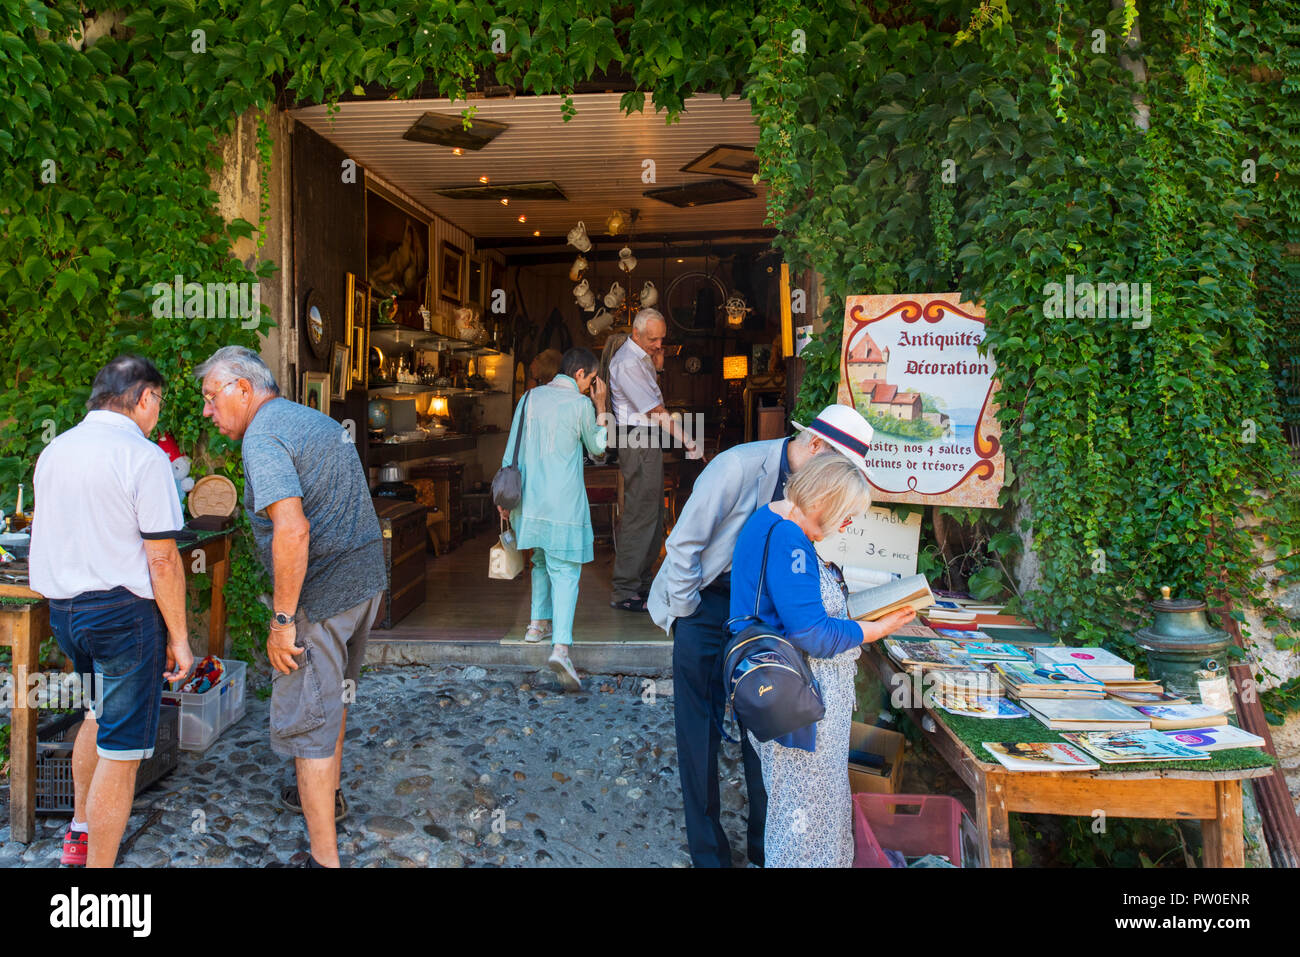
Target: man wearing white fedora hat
{"x":691,"y":599}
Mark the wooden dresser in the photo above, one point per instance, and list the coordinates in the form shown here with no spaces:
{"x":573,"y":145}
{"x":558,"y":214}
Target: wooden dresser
{"x":403,"y":527}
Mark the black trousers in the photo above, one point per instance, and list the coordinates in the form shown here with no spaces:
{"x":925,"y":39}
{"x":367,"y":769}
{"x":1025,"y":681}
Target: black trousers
{"x":698,"y":699}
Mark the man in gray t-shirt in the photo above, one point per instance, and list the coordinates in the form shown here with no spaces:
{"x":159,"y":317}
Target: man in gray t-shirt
{"x":318,"y":536}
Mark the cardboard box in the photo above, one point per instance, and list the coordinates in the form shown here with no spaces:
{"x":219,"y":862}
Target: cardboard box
{"x":866,"y":737}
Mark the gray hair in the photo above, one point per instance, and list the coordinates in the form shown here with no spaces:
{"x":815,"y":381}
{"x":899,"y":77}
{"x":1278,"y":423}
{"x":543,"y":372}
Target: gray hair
{"x":806,"y":438}
{"x":644,"y":315}
{"x":242,"y":364}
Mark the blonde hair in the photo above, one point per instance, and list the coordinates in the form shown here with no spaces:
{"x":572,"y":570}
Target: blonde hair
{"x":834,"y":483}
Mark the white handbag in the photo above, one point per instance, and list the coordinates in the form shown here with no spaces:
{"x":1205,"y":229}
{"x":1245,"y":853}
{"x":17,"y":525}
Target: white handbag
{"x":504,"y":560}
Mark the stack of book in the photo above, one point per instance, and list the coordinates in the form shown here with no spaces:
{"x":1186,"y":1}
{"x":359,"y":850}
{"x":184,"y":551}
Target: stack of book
{"x":1066,"y":715}
{"x":1023,"y":680}
{"x":1097,"y":662}
{"x":946,"y":613}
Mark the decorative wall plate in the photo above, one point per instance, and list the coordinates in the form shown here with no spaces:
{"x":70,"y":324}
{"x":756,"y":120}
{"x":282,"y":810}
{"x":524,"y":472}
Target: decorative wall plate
{"x":316,"y":326}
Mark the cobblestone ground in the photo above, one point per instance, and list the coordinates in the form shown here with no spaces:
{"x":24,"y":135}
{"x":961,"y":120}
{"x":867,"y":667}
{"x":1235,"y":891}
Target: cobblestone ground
{"x":443,"y":767}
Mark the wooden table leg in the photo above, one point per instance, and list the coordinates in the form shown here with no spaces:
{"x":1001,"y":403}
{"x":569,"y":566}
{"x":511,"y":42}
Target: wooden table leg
{"x":1222,"y":836}
{"x":27,"y":634}
{"x":994,"y":824}
{"x":217,"y":618}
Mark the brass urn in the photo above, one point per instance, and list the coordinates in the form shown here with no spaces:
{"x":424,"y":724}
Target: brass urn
{"x":1180,"y":642}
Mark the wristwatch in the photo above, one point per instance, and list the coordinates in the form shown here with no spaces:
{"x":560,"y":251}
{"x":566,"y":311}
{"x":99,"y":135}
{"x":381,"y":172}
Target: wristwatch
{"x":283,"y":620}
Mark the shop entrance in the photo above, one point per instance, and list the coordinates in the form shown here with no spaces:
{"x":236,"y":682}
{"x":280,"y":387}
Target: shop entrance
{"x":440,"y":272}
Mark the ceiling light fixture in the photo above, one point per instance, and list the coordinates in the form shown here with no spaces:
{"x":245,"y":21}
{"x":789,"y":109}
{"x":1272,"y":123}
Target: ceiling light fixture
{"x":523,"y":219}
{"x":457,"y":151}
{"x":482,"y":179}
{"x":537,"y":232}
{"x":505,"y":200}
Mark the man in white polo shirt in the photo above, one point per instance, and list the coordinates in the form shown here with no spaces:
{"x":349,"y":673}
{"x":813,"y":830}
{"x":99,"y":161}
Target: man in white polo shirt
{"x":104,"y":553}
{"x":638,"y":406}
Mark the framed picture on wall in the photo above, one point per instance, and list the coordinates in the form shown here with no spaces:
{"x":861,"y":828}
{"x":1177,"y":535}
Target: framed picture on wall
{"x":451,"y":273}
{"x":358,"y":326}
{"x":316,"y":391}
{"x":477,"y":277}
{"x":340,"y":371}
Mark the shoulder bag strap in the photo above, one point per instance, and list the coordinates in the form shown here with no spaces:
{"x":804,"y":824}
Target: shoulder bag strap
{"x":762,"y":571}
{"x":519,"y":435}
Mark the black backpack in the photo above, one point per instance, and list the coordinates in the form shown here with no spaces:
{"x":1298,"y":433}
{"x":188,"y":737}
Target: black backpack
{"x":769,"y":686}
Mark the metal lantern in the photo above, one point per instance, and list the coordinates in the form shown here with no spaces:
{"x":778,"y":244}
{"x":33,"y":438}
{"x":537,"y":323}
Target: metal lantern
{"x":1180,"y":642}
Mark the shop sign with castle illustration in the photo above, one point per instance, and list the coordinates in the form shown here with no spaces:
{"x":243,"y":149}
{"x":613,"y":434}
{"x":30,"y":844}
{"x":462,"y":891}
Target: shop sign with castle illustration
{"x":911,"y":365}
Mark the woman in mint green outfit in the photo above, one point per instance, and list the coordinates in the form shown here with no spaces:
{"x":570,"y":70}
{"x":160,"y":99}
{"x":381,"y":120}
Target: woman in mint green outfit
{"x":553,"y":518}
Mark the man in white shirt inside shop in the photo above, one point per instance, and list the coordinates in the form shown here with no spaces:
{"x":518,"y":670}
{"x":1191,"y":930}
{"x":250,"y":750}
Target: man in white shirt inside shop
{"x":639,"y":412}
{"x":104,"y":552}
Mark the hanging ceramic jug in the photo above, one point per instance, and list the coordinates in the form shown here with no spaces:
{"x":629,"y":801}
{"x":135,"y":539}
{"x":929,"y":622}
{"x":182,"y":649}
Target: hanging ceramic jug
{"x":578,"y":267}
{"x":626,"y":261}
{"x":600,"y":322}
{"x":614,"y":298}
{"x":649,"y":294}
{"x":578,"y":238}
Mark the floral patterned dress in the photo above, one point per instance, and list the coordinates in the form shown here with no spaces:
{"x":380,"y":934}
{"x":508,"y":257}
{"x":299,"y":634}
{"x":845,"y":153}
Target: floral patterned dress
{"x":809,"y":807}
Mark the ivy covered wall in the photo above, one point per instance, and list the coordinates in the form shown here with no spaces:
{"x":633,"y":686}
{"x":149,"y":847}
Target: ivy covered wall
{"x":922,"y":146}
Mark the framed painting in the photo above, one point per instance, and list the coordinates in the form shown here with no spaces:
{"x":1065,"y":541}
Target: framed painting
{"x":340,"y":371}
{"x":451,"y":273}
{"x":358,"y":327}
{"x":316,"y":391}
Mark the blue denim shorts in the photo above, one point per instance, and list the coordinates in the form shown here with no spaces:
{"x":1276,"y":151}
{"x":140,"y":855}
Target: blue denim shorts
{"x":121,"y":637}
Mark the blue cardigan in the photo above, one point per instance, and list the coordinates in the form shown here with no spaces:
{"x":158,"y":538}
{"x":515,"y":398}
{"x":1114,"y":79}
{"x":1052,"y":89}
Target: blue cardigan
{"x":792,"y":598}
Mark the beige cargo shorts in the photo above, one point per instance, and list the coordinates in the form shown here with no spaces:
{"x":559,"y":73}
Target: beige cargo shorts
{"x":307,"y":704}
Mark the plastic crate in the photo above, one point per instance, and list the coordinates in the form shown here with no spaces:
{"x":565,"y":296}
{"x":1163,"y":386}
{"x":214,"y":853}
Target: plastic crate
{"x":233,"y":704}
{"x":205,"y":715}
{"x":54,"y":790}
{"x":913,"y":824}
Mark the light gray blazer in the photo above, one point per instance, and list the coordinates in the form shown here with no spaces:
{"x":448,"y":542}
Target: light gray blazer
{"x":699,"y":549}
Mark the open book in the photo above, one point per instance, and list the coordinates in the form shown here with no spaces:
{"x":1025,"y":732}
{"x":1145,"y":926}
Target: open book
{"x":875,"y":603}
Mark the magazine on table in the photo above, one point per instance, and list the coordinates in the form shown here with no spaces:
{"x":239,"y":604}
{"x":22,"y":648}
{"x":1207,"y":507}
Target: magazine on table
{"x":1122,"y":747}
{"x":927,"y":654}
{"x":1215,"y":739}
{"x":1171,"y":717}
{"x":971,"y":707}
{"x":1039,"y":756}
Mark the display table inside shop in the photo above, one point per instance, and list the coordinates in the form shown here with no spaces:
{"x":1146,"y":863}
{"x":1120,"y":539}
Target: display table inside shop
{"x":25,"y":623}
{"x":1208,"y":791}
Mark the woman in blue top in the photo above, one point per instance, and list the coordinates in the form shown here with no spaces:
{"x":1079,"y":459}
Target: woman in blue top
{"x":553,"y":518}
{"x":806,"y":773}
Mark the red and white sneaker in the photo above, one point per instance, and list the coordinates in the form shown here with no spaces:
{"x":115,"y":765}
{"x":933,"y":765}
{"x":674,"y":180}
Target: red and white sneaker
{"x":75,"y":845}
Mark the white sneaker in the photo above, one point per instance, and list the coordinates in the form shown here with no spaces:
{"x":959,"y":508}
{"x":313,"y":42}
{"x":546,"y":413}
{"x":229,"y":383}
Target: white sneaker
{"x":563,"y":667}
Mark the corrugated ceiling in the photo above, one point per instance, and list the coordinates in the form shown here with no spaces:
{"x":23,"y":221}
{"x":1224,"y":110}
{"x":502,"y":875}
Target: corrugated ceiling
{"x":596,"y":158}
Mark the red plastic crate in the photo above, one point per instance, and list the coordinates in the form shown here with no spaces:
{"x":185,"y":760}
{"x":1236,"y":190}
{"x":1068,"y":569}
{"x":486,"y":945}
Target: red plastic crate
{"x":914,"y":824}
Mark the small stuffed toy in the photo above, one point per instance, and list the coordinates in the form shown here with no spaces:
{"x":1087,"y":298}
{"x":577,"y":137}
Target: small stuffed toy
{"x":207,"y":675}
{"x":180,"y":465}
